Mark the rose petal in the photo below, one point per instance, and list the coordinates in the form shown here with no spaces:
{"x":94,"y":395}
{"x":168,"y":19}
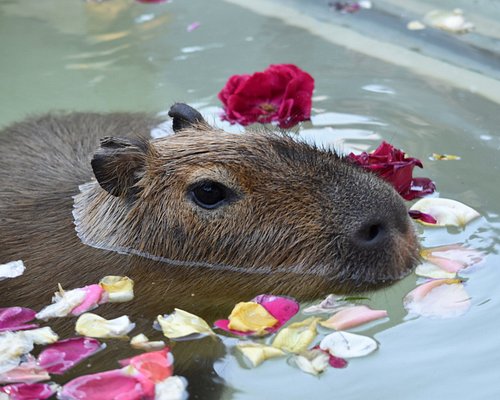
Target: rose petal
{"x":191,"y":27}
{"x":118,"y":288}
{"x":92,"y":298}
{"x":93,"y":325}
{"x":329,"y":304}
{"x":446,"y":212}
{"x":172,"y":388}
{"x":348,"y":345}
{"x":312,"y":362}
{"x":428,"y":219}
{"x":142,"y":342}
{"x":444,"y":157}
{"x":257,"y":353}
{"x":155,"y":366}
{"x":108,"y":385}
{"x":251,"y":317}
{"x":451,"y":21}
{"x":27,"y":372}
{"x":29,"y":391}
{"x":441,"y":298}
{"x":452,"y":258}
{"x":59,"y":357}
{"x":353,"y":316}
{"x":63,"y":303}
{"x":280,"y":307}
{"x":181,"y":324}
{"x":430,"y":270}
{"x":12,"y":269}
{"x":298,"y":336}
{"x":14,"y":318}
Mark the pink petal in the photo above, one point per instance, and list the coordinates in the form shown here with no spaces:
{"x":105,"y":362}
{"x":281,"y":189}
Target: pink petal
{"x":108,"y":385}
{"x":353,"y":316}
{"x":29,"y":391}
{"x":58,"y":357}
{"x":280,"y":307}
{"x":155,"y":366}
{"x":27,"y":372}
{"x":440,"y":298}
{"x":193,"y":26}
{"x":14,"y":318}
{"x":452,"y":258}
{"x":92,"y":299}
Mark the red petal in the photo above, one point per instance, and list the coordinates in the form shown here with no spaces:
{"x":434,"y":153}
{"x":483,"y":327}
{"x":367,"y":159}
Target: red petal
{"x":155,"y":366}
{"x":14,"y":318}
{"x":427,"y":218}
{"x":28,"y":391}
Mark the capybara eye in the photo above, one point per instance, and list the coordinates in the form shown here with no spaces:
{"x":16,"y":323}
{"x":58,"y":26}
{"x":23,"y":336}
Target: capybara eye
{"x":210,"y":194}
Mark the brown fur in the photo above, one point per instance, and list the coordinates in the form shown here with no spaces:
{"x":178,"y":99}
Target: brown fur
{"x":291,"y":230}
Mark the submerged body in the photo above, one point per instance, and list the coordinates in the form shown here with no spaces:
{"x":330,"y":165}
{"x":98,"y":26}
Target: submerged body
{"x":199,"y":220}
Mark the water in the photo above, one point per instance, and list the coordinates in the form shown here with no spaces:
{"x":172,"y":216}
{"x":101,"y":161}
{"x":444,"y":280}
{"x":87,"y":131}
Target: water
{"x":119,"y":55}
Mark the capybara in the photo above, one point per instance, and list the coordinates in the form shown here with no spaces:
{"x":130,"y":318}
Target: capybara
{"x":199,"y":219}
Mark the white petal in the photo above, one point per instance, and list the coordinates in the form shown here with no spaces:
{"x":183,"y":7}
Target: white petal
{"x":181,"y":323}
{"x":445,"y":211}
{"x":430,"y":270}
{"x":93,"y":325}
{"x":63,"y":303}
{"x":312,"y":362}
{"x":12,"y":269}
{"x":172,"y":388}
{"x":348,"y":345}
{"x":257,"y":353}
{"x":142,"y":342}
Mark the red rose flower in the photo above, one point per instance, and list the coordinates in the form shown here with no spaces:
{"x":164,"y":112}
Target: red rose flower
{"x":392,"y":165}
{"x":281,"y":93}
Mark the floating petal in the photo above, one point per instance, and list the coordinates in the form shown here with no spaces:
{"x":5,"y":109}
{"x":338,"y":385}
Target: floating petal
{"x":119,"y":288}
{"x":191,"y":27}
{"x":155,"y":366}
{"x":93,"y":325}
{"x":415,"y":26}
{"x":15,"y":318}
{"x":451,"y":21}
{"x":298,"y":336}
{"x":440,"y":298}
{"x":444,"y":157}
{"x":12,"y":269}
{"x":57,"y":358}
{"x":280,"y":307}
{"x":92,"y":299}
{"x":348,"y":345}
{"x":181,"y":324}
{"x":28,"y":391}
{"x":423,"y":217}
{"x":142,"y":342}
{"x":452,"y":258}
{"x":446,"y":212}
{"x":251,"y":317}
{"x":172,"y":388}
{"x":108,"y":385}
{"x":312,"y":361}
{"x":63,"y":303}
{"x":27,"y":372}
{"x":430,"y":270}
{"x":353,"y":316}
{"x":330,"y":304}
{"x":257,"y":353}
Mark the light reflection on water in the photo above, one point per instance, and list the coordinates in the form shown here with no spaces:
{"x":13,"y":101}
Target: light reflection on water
{"x":119,"y":55}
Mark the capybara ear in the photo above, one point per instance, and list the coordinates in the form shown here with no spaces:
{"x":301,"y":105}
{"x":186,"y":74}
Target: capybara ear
{"x":119,"y":163}
{"x":184,"y":116}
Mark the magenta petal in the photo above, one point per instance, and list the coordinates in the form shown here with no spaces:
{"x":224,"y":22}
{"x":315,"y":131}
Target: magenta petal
{"x":91,"y":301}
{"x":14,"y":318}
{"x":28,"y":391}
{"x":281,"y":308}
{"x":335,"y":362}
{"x":108,"y":385}
{"x":57,"y":358}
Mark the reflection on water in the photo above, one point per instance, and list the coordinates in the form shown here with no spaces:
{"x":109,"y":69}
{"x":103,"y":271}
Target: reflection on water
{"x":121,"y":55}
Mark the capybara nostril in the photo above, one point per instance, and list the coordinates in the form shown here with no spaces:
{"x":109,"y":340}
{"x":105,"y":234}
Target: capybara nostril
{"x":371,"y":234}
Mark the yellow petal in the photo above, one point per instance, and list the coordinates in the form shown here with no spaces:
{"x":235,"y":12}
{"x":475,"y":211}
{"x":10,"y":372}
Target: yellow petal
{"x":181,"y":323}
{"x":257,"y":353}
{"x":93,"y":325}
{"x":430,"y":270}
{"x":251,"y":317}
{"x":118,"y":288}
{"x":298,"y":336}
{"x":142,"y":342}
{"x":444,"y":157}
{"x":445,"y":211}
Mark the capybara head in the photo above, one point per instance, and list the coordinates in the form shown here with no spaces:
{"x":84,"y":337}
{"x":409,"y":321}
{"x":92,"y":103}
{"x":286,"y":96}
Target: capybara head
{"x":260,"y":203}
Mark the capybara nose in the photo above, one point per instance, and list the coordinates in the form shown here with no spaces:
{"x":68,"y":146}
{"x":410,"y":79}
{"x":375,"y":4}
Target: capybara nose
{"x":371,"y":234}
